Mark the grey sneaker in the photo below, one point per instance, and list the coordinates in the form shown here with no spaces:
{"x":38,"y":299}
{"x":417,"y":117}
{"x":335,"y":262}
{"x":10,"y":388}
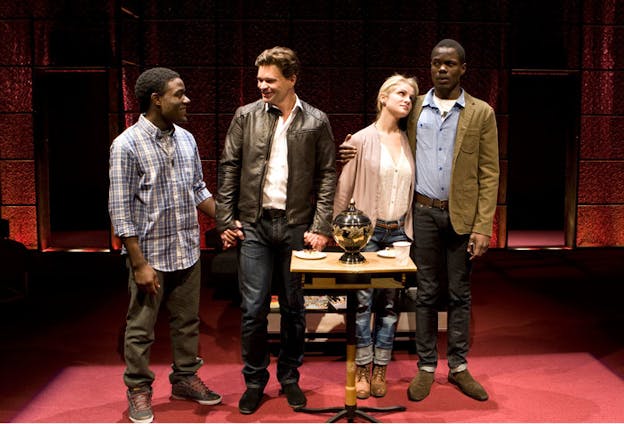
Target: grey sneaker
{"x":192,"y":388}
{"x":140,"y":404}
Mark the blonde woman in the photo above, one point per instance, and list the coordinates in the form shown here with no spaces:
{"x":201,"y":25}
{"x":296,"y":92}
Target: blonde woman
{"x":381,"y":181}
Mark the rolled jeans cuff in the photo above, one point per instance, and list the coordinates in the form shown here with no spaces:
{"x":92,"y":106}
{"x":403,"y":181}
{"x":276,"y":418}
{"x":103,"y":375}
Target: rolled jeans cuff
{"x":364,"y":355}
{"x":382,"y":356}
{"x":459,"y":368}
{"x":427,"y":368}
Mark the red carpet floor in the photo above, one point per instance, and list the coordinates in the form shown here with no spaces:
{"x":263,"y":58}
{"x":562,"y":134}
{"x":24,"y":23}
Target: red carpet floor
{"x":547,"y":344}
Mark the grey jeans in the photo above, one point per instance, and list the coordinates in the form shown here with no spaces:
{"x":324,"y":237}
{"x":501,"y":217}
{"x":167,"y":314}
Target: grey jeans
{"x":179,"y":291}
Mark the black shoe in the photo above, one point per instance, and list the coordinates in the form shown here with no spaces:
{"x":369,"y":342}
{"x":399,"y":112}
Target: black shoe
{"x":250,"y":400}
{"x":296,"y":398}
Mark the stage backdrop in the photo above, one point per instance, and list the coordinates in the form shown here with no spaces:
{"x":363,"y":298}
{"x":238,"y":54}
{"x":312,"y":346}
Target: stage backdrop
{"x":67,"y":65}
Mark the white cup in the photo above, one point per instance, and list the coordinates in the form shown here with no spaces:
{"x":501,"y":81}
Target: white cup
{"x":402,"y":249}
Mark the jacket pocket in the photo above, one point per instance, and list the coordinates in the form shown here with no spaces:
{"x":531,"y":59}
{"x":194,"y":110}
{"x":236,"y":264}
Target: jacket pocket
{"x":470,"y":142}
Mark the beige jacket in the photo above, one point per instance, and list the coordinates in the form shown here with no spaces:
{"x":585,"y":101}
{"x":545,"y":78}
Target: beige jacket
{"x":474,"y":180}
{"x":360,"y":177}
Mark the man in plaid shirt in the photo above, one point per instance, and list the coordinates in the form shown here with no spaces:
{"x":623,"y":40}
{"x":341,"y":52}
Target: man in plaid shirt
{"x":156,"y":187}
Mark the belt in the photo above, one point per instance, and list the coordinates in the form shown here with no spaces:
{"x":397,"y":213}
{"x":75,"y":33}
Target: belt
{"x":432,"y":203}
{"x":273,"y":213}
{"x":389,"y":225}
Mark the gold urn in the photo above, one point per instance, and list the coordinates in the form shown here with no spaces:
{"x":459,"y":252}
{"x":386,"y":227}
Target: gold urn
{"x":352,"y":230}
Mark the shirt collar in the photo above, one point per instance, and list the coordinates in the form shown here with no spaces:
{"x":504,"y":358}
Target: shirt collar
{"x":155,"y":132}
{"x":428,"y":100}
{"x":274,"y":109}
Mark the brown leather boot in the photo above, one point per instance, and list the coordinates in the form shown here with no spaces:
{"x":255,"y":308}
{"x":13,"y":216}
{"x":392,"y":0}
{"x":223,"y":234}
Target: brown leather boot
{"x":362,"y":381}
{"x":378,"y":384}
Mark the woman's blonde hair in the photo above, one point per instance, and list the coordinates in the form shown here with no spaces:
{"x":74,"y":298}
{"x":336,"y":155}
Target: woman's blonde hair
{"x":390,"y":83}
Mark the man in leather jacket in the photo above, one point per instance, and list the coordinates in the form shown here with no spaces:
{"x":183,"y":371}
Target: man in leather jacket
{"x":276,"y":189}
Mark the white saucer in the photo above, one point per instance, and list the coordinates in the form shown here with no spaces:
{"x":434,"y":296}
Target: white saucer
{"x":310,"y":254}
{"x":386,"y":253}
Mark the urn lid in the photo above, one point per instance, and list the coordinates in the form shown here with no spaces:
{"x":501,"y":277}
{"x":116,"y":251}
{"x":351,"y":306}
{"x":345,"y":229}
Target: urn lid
{"x":352,"y":216}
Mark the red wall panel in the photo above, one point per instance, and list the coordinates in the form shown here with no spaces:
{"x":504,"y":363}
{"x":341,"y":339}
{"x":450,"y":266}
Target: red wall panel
{"x":601,"y":182}
{"x":260,"y":34}
{"x":600,"y":226}
{"x":499,"y":228}
{"x":600,"y":210}
{"x":344,"y":124}
{"x":15,"y":9}
{"x":13,"y":51}
{"x":16,"y":88}
{"x":203,"y":127}
{"x":602,"y":47}
{"x":210,"y":177}
{"x":347,"y":49}
{"x":16,"y":136}
{"x":209,"y":168}
{"x":129,"y":75}
{"x":338,"y":39}
{"x":22,"y":224}
{"x":326,"y":89}
{"x":233,"y":85}
{"x":602,"y":137}
{"x":600,"y":93}
{"x":17,"y":180}
{"x":200,"y":87}
{"x":187,"y":42}
{"x":603,"y":12}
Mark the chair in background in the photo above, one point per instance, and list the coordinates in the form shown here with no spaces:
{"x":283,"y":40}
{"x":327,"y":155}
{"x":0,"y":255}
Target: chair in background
{"x":14,"y":264}
{"x":223,"y":266}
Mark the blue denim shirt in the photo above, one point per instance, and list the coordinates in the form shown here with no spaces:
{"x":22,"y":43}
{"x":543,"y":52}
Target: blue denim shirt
{"x":435,"y":138}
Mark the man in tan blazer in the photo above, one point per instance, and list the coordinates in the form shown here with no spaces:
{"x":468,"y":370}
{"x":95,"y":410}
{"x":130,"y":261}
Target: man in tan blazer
{"x":455,"y":140}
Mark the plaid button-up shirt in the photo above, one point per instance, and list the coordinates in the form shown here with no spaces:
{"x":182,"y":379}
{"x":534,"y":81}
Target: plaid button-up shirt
{"x":154,"y":195}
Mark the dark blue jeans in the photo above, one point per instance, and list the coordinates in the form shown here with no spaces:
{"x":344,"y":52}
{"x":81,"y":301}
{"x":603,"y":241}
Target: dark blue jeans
{"x":443,"y":277}
{"x":264,"y":264}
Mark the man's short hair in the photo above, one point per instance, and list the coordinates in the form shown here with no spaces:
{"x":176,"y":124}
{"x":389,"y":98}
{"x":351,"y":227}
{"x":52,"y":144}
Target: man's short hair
{"x":450,"y":43}
{"x":153,"y":80}
{"x":282,"y":57}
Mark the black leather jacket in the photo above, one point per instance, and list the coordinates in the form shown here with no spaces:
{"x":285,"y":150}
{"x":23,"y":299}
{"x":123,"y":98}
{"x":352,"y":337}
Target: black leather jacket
{"x":311,"y":168}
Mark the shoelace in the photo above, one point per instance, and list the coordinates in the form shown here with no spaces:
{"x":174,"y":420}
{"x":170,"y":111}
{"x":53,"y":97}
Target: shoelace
{"x":363,"y":374}
{"x":197,"y":384}
{"x":379,"y":373}
{"x":140,"y":400}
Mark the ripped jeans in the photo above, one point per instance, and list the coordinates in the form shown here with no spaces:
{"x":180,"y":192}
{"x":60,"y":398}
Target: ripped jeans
{"x":383,"y":303}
